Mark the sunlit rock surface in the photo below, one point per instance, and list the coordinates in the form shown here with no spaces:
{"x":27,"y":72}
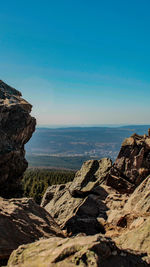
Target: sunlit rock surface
{"x":16,"y":128}
{"x":83,"y":251}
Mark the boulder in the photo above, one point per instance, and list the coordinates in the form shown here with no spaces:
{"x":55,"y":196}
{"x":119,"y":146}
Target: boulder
{"x":22,"y":221}
{"x":130,"y":227}
{"x":115,"y":179}
{"x":133,"y":161}
{"x":77,"y":205}
{"x":16,"y":128}
{"x":139,"y":201}
{"x":92,"y":251}
{"x":137,"y":237}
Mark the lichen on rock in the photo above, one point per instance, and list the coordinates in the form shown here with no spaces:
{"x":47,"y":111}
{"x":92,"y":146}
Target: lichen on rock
{"x":83,"y":251}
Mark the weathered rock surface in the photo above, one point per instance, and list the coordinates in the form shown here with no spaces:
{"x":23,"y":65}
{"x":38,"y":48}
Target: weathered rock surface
{"x":133,"y":161}
{"x":97,"y":202}
{"x":119,"y":182}
{"x":22,"y":221}
{"x":77,"y":205}
{"x":16,"y":128}
{"x":137,"y":236}
{"x":78,"y":251}
{"x":137,"y":205}
{"x":130,"y":227}
{"x":139,"y":201}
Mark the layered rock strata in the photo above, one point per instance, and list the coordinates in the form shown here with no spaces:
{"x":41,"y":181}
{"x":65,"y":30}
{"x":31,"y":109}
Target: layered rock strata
{"x":16,"y":128}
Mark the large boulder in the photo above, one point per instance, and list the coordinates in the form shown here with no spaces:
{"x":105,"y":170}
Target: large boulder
{"x":139,"y":200}
{"x":132,"y":165}
{"x":130,"y":227}
{"x":136,"y":205}
{"x":92,"y":251}
{"x":77,"y":206}
{"x":137,"y":237}
{"x":89,"y":205}
{"x":22,"y":221}
{"x":16,"y":128}
{"x":133,"y":161}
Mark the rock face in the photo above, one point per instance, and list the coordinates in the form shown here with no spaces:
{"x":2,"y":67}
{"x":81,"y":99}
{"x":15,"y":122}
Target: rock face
{"x":22,"y":221}
{"x":139,"y":201}
{"x":135,"y":220}
{"x":137,"y":237}
{"x":129,"y":227}
{"x":16,"y":128}
{"x":132,"y":165}
{"x":92,"y":251}
{"x":77,"y":205}
{"x":103,"y":199}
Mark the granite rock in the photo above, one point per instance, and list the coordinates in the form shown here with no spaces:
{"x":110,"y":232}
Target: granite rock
{"x":91,"y":251}
{"x":77,"y":205}
{"x":22,"y":221}
{"x":16,"y":128}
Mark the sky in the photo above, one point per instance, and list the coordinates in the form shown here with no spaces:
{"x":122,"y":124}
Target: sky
{"x":78,"y":62}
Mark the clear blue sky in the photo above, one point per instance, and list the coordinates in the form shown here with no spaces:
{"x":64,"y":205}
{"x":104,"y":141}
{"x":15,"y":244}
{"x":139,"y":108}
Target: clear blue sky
{"x":79,"y":61}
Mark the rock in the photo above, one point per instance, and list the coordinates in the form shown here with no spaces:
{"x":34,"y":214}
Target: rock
{"x":117,"y":181}
{"x":132,"y":165}
{"x":133,"y":161}
{"x":23,"y":221}
{"x":78,"y":251}
{"x":130,"y":227}
{"x":95,"y":203}
{"x":115,"y":203}
{"x":91,"y":172}
{"x":139,"y":201}
{"x":138,"y":238}
{"x":77,"y":205}
{"x":16,"y":128}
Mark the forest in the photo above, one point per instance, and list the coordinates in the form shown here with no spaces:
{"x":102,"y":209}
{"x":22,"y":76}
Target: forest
{"x":36,"y":181}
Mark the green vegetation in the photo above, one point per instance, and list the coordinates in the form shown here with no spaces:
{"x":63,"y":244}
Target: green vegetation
{"x":36,"y":181}
{"x":71,"y":163}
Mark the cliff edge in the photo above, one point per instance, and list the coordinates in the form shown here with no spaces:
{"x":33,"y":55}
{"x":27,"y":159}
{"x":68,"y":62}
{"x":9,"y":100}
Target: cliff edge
{"x":16,"y":128}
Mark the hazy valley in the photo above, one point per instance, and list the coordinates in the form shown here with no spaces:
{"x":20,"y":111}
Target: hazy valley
{"x":69,"y":147}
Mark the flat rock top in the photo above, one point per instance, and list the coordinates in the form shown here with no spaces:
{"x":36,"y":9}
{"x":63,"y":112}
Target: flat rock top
{"x":10,"y":96}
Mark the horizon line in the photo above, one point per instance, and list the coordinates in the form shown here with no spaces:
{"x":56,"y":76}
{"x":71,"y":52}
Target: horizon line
{"x":87,"y":125}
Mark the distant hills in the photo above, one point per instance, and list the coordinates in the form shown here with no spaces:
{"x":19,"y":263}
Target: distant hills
{"x":69,"y":147}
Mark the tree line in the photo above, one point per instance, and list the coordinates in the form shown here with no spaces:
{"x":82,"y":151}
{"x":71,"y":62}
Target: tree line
{"x":36,"y":181}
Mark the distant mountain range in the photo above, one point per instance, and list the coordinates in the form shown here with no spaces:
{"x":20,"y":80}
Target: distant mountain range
{"x":69,"y":147}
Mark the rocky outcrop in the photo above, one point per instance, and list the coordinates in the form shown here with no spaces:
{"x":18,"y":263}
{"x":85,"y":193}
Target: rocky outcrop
{"x":133,"y":161}
{"x":103,"y":199}
{"x":130,"y":227}
{"x":22,"y":221}
{"x":16,"y":128}
{"x":77,"y":206}
{"x":137,"y":236}
{"x":78,"y":251}
{"x":139,"y":201}
{"x":113,"y":200}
